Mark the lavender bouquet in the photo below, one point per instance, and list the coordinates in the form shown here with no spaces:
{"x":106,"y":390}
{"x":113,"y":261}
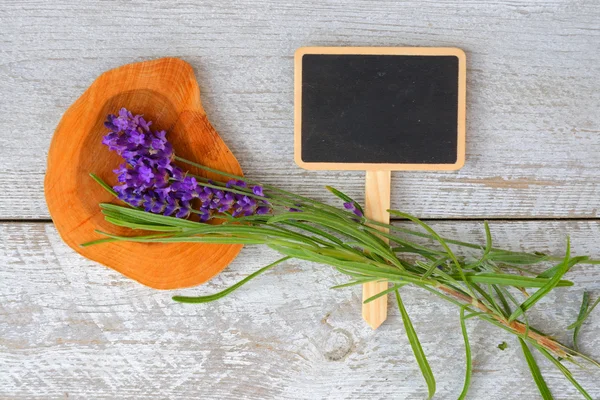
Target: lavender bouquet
{"x":161,"y":198}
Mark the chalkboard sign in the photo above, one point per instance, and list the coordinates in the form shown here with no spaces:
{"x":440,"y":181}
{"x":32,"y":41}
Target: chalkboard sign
{"x":380,"y":108}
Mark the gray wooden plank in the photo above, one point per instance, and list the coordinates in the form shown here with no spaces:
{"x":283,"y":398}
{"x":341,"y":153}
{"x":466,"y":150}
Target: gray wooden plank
{"x":72,"y":328}
{"x":533,"y":90}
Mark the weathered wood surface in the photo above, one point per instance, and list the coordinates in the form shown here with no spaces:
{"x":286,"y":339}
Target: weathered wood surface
{"x":72,"y":328}
{"x":533,"y":124}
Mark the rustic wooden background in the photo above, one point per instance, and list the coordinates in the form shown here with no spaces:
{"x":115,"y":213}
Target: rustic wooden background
{"x":70,"y":328}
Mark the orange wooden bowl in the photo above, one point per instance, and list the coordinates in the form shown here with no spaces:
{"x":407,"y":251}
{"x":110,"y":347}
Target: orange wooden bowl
{"x":167,"y":93}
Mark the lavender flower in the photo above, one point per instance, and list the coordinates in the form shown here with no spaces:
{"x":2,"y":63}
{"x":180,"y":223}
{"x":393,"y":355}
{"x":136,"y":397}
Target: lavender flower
{"x":294,"y":209}
{"x":234,"y":182}
{"x":350,"y":206}
{"x":258,"y":190}
{"x":151,"y":180}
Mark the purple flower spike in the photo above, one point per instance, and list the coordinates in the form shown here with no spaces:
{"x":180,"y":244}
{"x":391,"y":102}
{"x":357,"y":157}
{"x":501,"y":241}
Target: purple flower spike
{"x":161,"y":178}
{"x":177,"y":173}
{"x":353,"y":207}
{"x":293,"y":209}
{"x":189,"y":184}
{"x":170,"y":207}
{"x":258,"y":190}
{"x":184,"y":210}
{"x":235,"y":182}
{"x":204,"y":215}
{"x":143,"y":124}
{"x":158,"y":144}
{"x":160,"y":135}
{"x":112,"y":141}
{"x":136,"y":138}
{"x":205,"y":194}
{"x":263,"y":210}
{"x":109,"y":123}
{"x":122,"y":173}
{"x":151,"y":180}
{"x":145,"y":174}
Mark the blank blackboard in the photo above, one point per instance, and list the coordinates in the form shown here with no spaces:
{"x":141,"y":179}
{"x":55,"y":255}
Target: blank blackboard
{"x":386,"y":108}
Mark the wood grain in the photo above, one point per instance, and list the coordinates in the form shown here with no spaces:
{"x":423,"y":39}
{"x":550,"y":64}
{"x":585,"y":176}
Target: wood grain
{"x":377,"y":202}
{"x":165,"y":91}
{"x":70,"y":328}
{"x":533,"y":90}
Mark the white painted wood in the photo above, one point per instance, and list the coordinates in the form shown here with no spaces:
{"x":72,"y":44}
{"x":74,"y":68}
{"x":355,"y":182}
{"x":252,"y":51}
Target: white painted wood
{"x":70,"y":328}
{"x":533,"y":90}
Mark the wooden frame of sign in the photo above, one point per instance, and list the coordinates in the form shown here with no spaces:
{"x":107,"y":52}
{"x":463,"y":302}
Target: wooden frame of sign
{"x":379,"y":109}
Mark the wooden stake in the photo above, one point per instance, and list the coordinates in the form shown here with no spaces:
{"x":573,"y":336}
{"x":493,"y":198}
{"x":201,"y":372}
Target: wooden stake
{"x":377,"y":202}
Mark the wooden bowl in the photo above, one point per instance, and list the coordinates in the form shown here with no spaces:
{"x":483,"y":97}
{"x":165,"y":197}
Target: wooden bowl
{"x":167,"y":93}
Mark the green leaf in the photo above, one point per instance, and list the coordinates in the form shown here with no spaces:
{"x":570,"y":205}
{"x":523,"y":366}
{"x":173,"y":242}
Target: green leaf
{"x":551,"y":284}
{"x":314,"y":230}
{"x":468,"y":358}
{"x":475,"y":314}
{"x":339,"y":194}
{"x":218,"y":239}
{"x":370,"y":242}
{"x":583,"y":315}
{"x":502,"y":346}
{"x":217,"y":296}
{"x":149,"y":217}
{"x":124,"y":218}
{"x":132,"y":225}
{"x":439,"y":273}
{"x":502,"y":298}
{"x":515,"y":258}
{"x":490,"y":300}
{"x":550,"y":272}
{"x":488,"y":238}
{"x":488,"y":247}
{"x":344,"y":197}
{"x":416,"y":347}
{"x":105,"y":185}
{"x":440,"y":240}
{"x":433,"y":265}
{"x":98,"y":241}
{"x":535,"y":372}
{"x":406,"y":246}
{"x":365,"y":269}
{"x":509,"y":280}
{"x":565,"y":371}
{"x":383,"y":293}
{"x":579,"y":322}
{"x":353,"y":283}
{"x":582,"y":311}
{"x":192,"y":228}
{"x":114,"y":238}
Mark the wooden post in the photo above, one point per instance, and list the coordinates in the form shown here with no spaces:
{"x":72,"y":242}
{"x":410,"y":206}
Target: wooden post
{"x":377,"y":202}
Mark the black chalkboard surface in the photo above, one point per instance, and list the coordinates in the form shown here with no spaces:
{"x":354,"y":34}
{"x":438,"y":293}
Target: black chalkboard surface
{"x":380,"y":108}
